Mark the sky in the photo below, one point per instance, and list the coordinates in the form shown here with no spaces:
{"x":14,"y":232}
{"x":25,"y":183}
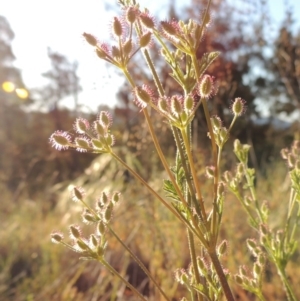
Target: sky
{"x":59,"y":24}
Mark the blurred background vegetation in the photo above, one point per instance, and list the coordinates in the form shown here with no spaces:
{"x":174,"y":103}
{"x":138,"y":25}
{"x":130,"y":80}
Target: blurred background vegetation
{"x":261,"y":68}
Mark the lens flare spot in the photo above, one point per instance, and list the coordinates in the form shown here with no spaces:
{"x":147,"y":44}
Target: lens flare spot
{"x":8,"y":87}
{"x":22,"y":93}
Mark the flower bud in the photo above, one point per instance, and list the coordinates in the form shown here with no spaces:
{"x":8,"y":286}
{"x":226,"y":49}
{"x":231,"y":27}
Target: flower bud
{"x":82,"y":245}
{"x":127,"y":47}
{"x":257,"y":269}
{"x":115,"y":51}
{"x":81,"y":125}
{"x":131,"y":14}
{"x":60,"y":140}
{"x":105,"y":119}
{"x":90,"y":39}
{"x":108,"y":212}
{"x":57,"y":237}
{"x":206,"y":87}
{"x":117,"y":27}
{"x":145,"y":39}
{"x":162,"y":105}
{"x":115,"y":197}
{"x":78,"y":194}
{"x":82,"y":143}
{"x":75,"y":232}
{"x":238,"y":106}
{"x":100,"y":129}
{"x":93,"y":241}
{"x":143,"y":95}
{"x":176,"y":105}
{"x":97,"y":144}
{"x":188,"y":103}
{"x":147,"y":21}
{"x":101,"y":228}
{"x":170,"y":28}
{"x":222,"y":248}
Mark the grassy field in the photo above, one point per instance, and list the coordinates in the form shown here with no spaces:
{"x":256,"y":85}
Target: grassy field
{"x":32,"y":268}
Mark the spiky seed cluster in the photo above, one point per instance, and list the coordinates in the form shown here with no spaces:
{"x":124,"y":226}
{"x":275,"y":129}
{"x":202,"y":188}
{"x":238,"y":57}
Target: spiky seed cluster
{"x":206,"y":87}
{"x":177,"y":109}
{"x":77,"y":194}
{"x":90,"y":39}
{"x":103,"y":51}
{"x":238,"y":106}
{"x":99,"y":142}
{"x":143,"y":96}
{"x":81,"y":125}
{"x":131,"y":14}
{"x":188,"y":104}
{"x":95,"y":245}
{"x":60,"y":140}
{"x":75,"y":232}
{"x":146,"y":40}
{"x":176,"y":105}
{"x":117,"y":27}
{"x":83,"y":144}
{"x":170,"y":28}
{"x":222,"y":248}
{"x":147,"y":20}
{"x":57,"y":237}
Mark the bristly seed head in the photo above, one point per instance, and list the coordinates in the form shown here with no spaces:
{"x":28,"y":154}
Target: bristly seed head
{"x":238,"y":106}
{"x":145,"y":40}
{"x":131,"y":14}
{"x":105,"y":119}
{"x":57,"y":237}
{"x":206,"y":87}
{"x":90,"y":39}
{"x":147,"y":20}
{"x":176,"y":105}
{"x":117,"y":27}
{"x":60,"y":140}
{"x":143,"y":95}
{"x":188,"y":103}
{"x":75,"y":232}
{"x":170,"y":28}
{"x":81,"y":125}
{"x":83,"y":144}
{"x":77,"y":194}
{"x":102,"y":51}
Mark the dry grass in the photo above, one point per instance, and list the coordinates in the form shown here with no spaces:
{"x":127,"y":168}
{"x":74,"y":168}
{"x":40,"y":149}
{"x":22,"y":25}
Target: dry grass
{"x":32,"y":268}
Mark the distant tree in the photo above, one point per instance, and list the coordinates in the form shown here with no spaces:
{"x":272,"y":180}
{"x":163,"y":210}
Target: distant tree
{"x":63,"y":81}
{"x":286,"y":65}
{"x":8,"y":72}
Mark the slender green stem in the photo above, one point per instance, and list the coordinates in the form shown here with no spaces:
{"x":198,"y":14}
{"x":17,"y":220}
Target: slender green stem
{"x":151,"y":190}
{"x":139,"y":262}
{"x":113,"y":271}
{"x":289,"y":291}
{"x":261,"y":296}
{"x":194,"y":260}
{"x":220,"y":272}
{"x":186,"y":170}
{"x":154,"y":73}
{"x":253,"y":192}
{"x":194,"y":174}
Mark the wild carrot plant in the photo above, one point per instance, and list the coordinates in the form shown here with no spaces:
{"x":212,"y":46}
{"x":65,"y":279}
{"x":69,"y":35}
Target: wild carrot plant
{"x":206,"y":278}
